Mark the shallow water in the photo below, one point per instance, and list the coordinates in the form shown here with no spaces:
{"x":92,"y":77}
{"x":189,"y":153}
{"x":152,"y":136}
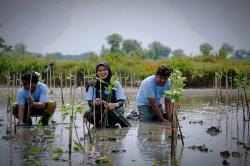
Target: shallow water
{"x":141,"y":144}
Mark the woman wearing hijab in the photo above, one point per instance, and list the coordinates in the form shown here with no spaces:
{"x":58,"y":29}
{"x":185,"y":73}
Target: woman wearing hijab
{"x":106,"y":104}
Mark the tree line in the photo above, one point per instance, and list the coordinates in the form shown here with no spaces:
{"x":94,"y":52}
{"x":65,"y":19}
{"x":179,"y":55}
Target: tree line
{"x":133,"y":48}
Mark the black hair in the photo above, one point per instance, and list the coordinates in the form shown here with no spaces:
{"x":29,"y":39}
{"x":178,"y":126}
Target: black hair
{"x":163,"y":71}
{"x":31,"y":74}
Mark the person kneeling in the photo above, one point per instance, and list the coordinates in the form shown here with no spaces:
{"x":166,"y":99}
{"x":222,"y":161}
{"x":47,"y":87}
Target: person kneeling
{"x":105,"y":106}
{"x":32,"y":100}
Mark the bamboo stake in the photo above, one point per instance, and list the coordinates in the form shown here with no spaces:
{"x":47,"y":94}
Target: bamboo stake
{"x":90,"y":139}
{"x":173,"y":138}
{"x":8,"y":90}
{"x":220,"y":82}
{"x":178,"y":124}
{"x":61,"y":81}
{"x":84,"y":81}
{"x":29,"y":106}
{"x":101,"y":100}
{"x":54,"y":79}
{"x":242,"y":103}
{"x":237,"y":103}
{"x":70,"y":131}
{"x":71,"y":118}
{"x":246,"y":100}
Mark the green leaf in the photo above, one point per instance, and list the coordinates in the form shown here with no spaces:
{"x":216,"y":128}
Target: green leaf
{"x":57,"y":151}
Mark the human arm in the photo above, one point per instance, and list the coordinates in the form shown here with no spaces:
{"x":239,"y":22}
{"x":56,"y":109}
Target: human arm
{"x":112,"y":106}
{"x":34,"y":104}
{"x":20,"y":114}
{"x":155,"y":108}
{"x":168,"y":108}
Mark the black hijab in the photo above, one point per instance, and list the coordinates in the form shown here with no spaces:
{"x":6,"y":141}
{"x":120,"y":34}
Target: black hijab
{"x":106,"y":80}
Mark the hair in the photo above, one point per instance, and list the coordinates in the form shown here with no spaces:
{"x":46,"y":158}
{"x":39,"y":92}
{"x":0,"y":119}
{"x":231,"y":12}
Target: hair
{"x":163,"y":71}
{"x":31,"y":74}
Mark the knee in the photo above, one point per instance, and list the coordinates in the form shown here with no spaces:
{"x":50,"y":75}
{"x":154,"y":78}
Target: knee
{"x":86,"y":114}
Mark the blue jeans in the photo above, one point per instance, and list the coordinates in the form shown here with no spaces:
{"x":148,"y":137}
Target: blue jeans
{"x":146,"y":113}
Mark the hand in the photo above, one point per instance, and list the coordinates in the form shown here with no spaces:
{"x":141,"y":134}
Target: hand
{"x":98,"y":101}
{"x":30,"y":100}
{"x":111,"y":106}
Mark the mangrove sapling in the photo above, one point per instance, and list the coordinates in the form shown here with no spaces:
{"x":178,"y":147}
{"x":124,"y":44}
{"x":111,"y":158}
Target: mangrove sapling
{"x":220,"y":85}
{"x":8,"y":89}
{"x":239,"y":81}
{"x":11,"y":98}
{"x":61,"y":87}
{"x":29,"y":101}
{"x":112,"y":86}
{"x":246,"y":99}
{"x":177,"y":84}
{"x":243,"y":107}
{"x":72,"y":110}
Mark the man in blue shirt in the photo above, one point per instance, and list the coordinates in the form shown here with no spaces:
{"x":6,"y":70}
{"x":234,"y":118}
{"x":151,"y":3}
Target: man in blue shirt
{"x":150,"y":94}
{"x":32,"y":100}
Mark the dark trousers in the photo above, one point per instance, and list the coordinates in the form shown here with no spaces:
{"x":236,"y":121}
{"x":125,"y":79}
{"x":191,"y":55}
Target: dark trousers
{"x":45,"y":113}
{"x":109,"y":119}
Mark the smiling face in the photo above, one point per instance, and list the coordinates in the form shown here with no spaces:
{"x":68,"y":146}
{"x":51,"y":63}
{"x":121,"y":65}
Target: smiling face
{"x":102,"y":72}
{"x":161,"y":80}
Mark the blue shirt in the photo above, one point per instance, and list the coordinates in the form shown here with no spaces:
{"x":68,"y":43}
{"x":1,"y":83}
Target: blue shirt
{"x":40,"y":94}
{"x":149,"y":88}
{"x":118,"y":93}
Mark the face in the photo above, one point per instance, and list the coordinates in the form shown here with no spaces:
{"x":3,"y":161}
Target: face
{"x":102,"y":72}
{"x":26,"y":86}
{"x":161,"y":80}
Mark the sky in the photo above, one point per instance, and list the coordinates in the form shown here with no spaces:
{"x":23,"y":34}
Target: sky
{"x":78,"y":26}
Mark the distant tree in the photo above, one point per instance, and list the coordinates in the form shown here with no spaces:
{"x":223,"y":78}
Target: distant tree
{"x":222,"y":54}
{"x":114,"y":41}
{"x":8,"y":48}
{"x":104,"y":51}
{"x":241,"y":54}
{"x":88,"y":55}
{"x":20,"y":48}
{"x":206,"y":48}
{"x":229,"y":49}
{"x":178,"y":52}
{"x":158,"y":50}
{"x":57,"y":55}
{"x":130,"y":45}
{"x":2,"y":42}
{"x":4,"y":47}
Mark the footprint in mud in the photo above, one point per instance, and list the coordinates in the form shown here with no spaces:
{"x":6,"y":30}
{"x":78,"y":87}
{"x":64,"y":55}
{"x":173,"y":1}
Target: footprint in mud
{"x":213,"y":131}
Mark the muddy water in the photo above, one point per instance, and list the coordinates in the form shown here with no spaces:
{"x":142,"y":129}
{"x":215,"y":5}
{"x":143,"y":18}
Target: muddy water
{"x":141,"y":144}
